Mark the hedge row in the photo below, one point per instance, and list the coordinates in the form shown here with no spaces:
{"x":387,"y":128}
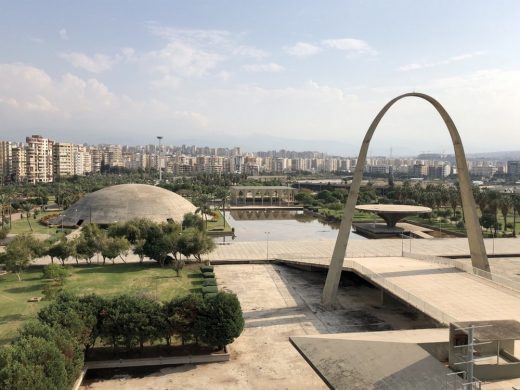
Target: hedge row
{"x":49,"y":352}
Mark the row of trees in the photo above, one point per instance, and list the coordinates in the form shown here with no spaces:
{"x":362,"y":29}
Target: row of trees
{"x":444,"y":200}
{"x":162,"y":242}
{"x":49,"y":352}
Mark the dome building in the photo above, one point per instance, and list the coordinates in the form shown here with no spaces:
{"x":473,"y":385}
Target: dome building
{"x":121,"y":203}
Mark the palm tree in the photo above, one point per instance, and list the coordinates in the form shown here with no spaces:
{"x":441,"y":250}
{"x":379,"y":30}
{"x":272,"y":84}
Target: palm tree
{"x":504,"y":203}
{"x":453,"y":199}
{"x":223,"y":194}
{"x":203,"y":207}
{"x":516,"y":210}
{"x":27,"y":207}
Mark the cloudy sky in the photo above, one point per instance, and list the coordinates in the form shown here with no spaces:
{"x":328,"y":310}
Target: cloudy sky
{"x":301,"y":75}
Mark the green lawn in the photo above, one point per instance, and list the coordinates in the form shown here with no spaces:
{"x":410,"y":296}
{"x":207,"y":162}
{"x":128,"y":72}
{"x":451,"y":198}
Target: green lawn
{"x":217,"y":224}
{"x":150,"y":279}
{"x":21,"y":226}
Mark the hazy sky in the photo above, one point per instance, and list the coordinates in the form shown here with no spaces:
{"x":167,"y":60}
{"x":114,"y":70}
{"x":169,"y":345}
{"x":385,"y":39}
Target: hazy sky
{"x":261,"y":74}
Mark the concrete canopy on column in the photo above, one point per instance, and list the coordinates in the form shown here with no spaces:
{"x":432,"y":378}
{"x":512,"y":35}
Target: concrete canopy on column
{"x":474,"y":232}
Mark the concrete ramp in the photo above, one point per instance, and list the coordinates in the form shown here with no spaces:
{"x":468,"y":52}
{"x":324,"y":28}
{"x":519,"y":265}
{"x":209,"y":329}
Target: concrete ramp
{"x":376,"y":360}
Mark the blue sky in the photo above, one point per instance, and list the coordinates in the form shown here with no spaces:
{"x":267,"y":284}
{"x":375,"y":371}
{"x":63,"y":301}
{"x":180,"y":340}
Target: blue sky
{"x":261,"y":74}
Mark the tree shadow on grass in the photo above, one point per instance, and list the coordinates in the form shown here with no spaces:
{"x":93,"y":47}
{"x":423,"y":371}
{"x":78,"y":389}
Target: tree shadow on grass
{"x":111,"y":269}
{"x":26,"y":289}
{"x":11,"y":317}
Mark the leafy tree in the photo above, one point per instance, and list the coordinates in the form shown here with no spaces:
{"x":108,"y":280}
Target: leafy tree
{"x":20,"y":252}
{"x":180,"y":315}
{"x":131,"y":321}
{"x":489,"y":221}
{"x":63,"y":249}
{"x":192,"y":220}
{"x":32,"y":363}
{"x":61,"y":338}
{"x":195,"y":243}
{"x":220,"y":320}
{"x":85,"y":249}
{"x":77,"y":315}
{"x":112,"y":247}
{"x":161,"y":240}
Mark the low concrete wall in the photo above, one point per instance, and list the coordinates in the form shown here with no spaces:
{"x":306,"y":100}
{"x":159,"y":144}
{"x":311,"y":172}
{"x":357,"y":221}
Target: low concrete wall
{"x":79,"y":381}
{"x":159,"y":361}
{"x":487,"y":372}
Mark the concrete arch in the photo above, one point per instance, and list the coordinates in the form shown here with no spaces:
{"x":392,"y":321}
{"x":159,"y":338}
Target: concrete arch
{"x":476,"y":242}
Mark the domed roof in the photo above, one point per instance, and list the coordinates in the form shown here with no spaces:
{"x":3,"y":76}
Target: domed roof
{"x":123,"y":202}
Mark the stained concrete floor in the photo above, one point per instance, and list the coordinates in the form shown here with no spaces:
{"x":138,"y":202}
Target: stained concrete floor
{"x":278,"y":302}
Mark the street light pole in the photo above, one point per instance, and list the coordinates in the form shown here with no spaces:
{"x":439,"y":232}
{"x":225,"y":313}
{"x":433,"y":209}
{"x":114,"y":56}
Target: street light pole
{"x":267,"y":244}
{"x":159,"y":158}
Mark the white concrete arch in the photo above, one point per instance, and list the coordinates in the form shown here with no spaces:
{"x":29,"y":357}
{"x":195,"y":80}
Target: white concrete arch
{"x":476,"y":242}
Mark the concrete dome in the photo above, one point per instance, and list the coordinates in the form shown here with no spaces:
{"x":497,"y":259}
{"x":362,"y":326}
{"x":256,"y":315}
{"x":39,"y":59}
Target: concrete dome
{"x":121,"y":203}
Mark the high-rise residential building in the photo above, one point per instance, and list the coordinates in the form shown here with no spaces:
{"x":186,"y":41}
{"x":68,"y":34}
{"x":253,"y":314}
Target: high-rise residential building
{"x":513,"y":169}
{"x":115,"y":156}
{"x":6,"y":161}
{"x":97,"y":159}
{"x":39,"y":159}
{"x":19,"y":164}
{"x":63,"y":159}
{"x":82,"y":160}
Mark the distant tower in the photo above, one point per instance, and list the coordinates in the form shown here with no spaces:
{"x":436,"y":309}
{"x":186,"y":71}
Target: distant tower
{"x":159,"y":137}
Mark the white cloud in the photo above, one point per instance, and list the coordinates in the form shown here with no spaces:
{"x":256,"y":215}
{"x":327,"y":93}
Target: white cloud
{"x":350,"y":45}
{"x":303,"y":49}
{"x":250,"y":51}
{"x":64,"y":35}
{"x":30,"y":98}
{"x":177,"y":61}
{"x":94,"y":64}
{"x":268,"y":67}
{"x":423,"y":65}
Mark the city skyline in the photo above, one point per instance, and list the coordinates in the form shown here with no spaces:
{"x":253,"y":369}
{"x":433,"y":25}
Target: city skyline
{"x":198,"y":74}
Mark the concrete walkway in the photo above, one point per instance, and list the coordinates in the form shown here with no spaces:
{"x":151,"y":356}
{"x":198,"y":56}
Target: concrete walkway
{"x":258,"y":250}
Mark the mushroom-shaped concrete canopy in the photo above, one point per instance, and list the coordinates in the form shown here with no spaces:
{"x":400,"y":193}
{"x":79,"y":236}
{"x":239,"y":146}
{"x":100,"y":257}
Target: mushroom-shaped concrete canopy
{"x":121,"y":203}
{"x":393,"y":213}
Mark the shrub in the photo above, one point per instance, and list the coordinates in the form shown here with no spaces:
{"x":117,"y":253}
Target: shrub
{"x":209,"y":289}
{"x":220,"y":320}
{"x":209,"y":282}
{"x":208,"y":275}
{"x":3,"y":233}
{"x":55,"y":272}
{"x":206,"y":268}
{"x":209,"y":295}
{"x":460,"y":225}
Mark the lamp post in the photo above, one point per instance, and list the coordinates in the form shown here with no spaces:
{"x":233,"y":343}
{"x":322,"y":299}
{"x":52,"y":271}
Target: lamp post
{"x":267,"y":244}
{"x":159,"y":137}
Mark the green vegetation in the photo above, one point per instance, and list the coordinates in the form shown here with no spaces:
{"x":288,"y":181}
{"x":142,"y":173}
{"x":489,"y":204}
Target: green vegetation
{"x":147,"y":279}
{"x":49,"y":352}
{"x":216,"y":224}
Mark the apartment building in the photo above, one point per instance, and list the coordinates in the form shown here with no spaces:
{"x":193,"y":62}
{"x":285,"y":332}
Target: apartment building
{"x":39,"y":160}
{"x":63,"y":162}
{"x":6,"y":161}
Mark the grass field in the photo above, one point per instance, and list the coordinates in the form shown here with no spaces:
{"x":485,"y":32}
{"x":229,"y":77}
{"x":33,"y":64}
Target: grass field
{"x":150,"y":279}
{"x":217,"y":224}
{"x":21,"y":226}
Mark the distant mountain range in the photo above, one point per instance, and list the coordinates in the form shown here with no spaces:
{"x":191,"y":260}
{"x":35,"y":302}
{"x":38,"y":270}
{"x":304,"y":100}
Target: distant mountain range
{"x":507,"y":155}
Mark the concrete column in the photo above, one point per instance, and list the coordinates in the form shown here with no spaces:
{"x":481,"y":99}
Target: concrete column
{"x":476,"y":242}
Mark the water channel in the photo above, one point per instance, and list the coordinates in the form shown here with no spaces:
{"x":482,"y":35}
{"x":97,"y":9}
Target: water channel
{"x":252,"y":225}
